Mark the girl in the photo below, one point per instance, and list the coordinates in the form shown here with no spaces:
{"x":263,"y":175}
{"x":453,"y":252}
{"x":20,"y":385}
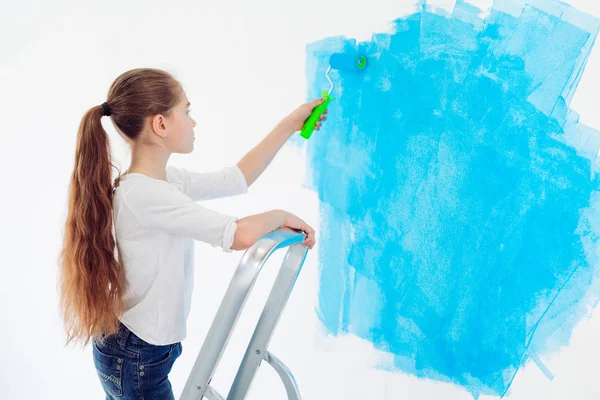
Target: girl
{"x":134,"y":307}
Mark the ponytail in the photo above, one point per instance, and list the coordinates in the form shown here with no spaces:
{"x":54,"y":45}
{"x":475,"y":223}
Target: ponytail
{"x":91,"y":278}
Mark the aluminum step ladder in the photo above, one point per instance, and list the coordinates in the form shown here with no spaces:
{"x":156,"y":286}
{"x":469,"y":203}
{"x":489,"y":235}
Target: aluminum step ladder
{"x":198,"y":386}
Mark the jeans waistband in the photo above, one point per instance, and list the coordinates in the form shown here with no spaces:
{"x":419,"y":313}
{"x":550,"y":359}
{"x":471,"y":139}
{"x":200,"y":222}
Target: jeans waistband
{"x":124,"y":334}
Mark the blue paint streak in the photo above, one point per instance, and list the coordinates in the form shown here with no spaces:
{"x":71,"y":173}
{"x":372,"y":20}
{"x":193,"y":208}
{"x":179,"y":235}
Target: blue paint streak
{"x":538,"y":361}
{"x":458,"y":192}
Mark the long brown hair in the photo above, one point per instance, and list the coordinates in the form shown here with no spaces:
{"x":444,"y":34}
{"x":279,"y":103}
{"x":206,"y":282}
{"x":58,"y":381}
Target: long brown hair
{"x":91,"y":279}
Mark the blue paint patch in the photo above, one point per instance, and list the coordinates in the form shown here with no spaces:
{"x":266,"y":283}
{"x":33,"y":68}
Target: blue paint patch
{"x":458,"y":192}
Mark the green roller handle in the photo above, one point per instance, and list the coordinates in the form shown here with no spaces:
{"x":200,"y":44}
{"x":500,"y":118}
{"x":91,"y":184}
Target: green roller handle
{"x":315,"y":116}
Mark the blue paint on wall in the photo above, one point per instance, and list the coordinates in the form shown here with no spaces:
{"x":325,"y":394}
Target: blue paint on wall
{"x":458,"y":194}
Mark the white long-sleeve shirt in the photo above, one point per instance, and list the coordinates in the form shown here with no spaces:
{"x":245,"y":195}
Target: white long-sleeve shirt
{"x":156,"y":223}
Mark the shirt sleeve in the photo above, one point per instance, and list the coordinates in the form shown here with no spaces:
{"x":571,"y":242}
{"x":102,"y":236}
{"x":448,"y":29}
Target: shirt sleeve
{"x":162,"y":206}
{"x":229,"y":181}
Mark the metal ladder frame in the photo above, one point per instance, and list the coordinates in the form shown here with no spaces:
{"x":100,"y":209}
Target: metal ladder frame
{"x":198,"y":383}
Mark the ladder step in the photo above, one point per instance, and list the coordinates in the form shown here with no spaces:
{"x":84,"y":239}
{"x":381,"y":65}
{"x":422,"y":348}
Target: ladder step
{"x":212,"y":394}
{"x":291,"y":387}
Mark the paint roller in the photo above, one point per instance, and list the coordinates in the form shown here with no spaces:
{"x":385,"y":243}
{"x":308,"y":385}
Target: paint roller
{"x":341,"y":62}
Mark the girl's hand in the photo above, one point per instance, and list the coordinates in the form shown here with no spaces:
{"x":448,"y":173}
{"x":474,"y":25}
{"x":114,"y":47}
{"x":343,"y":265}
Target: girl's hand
{"x":294,"y":222}
{"x":296,"y":119}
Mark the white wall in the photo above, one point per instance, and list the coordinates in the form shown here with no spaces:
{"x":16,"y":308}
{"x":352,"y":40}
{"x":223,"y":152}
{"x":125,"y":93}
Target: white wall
{"x":243,"y":70}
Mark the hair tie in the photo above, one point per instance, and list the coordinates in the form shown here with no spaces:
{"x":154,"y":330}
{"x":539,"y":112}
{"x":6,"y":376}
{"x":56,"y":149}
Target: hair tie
{"x":105,"y":109}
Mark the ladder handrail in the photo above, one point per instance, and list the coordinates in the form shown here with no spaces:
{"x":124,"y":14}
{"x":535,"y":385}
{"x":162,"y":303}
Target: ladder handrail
{"x":267,"y":322}
{"x":231,"y":307}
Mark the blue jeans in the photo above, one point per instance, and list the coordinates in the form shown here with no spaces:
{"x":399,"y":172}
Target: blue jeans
{"x":130,"y":368}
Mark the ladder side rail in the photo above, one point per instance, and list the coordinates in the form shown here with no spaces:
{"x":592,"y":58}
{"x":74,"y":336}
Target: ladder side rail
{"x":257,"y":347}
{"x":231,"y":307}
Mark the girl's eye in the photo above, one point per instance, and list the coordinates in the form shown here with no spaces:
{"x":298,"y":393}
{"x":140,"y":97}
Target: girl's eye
{"x":189,"y":111}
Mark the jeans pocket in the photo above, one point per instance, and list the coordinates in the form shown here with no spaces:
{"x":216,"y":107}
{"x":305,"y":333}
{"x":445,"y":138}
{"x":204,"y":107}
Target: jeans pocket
{"x":109,"y":369}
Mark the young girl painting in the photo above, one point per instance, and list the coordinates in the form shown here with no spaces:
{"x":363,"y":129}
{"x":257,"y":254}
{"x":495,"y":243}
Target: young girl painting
{"x":126,"y":266}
